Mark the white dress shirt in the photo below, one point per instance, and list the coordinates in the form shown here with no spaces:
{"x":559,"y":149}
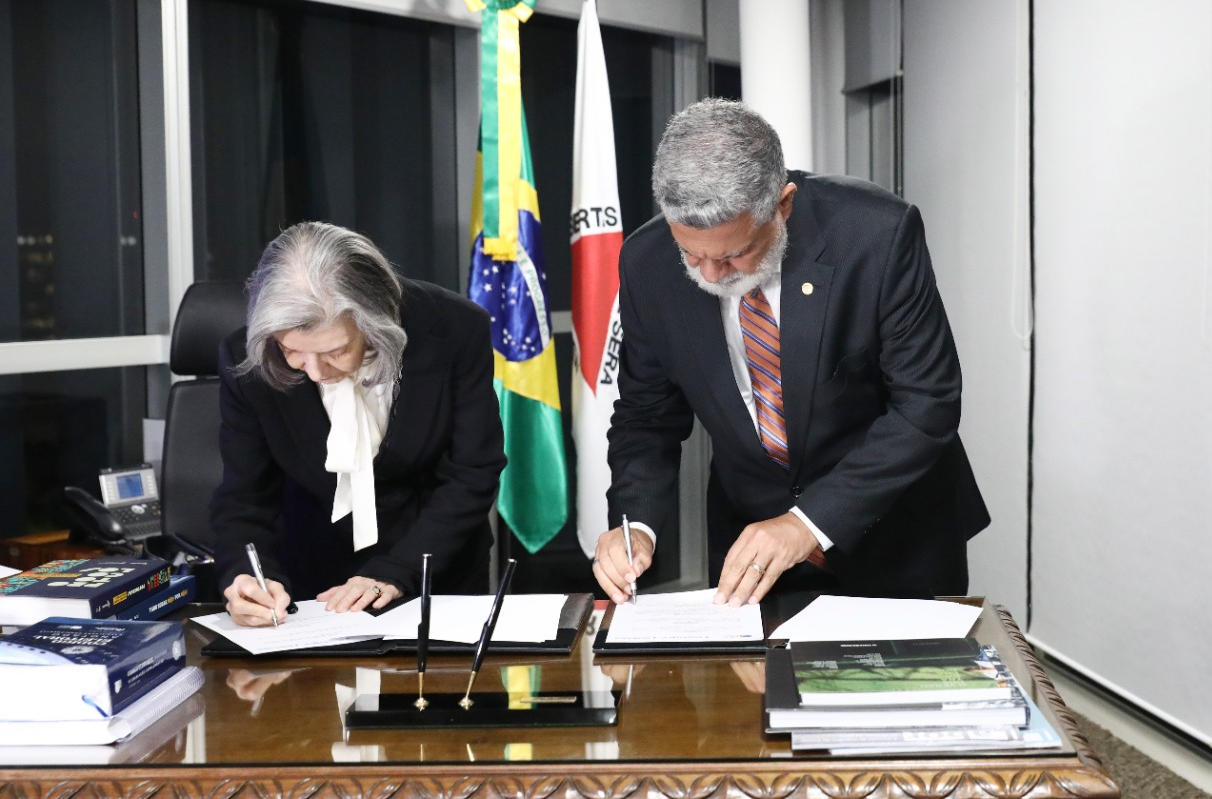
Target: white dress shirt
{"x":729,"y":312}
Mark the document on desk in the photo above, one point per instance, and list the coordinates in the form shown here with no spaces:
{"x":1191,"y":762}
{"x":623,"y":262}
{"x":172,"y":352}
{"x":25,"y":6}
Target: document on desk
{"x":525,"y":618}
{"x":311,"y":627}
{"x":851,"y":618}
{"x":683,"y":617}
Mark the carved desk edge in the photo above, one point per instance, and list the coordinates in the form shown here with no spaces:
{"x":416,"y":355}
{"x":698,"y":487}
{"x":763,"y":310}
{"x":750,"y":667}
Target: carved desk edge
{"x":1011,"y":778}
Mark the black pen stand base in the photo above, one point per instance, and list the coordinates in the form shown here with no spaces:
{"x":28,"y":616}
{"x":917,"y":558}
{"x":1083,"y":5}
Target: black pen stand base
{"x":551,"y":709}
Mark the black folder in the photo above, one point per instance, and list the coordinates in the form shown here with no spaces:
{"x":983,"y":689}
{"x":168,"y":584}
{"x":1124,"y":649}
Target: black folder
{"x":572,"y":619}
{"x":776,"y":608}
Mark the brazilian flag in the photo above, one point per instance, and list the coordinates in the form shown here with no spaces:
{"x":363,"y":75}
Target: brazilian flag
{"x":509,"y":281}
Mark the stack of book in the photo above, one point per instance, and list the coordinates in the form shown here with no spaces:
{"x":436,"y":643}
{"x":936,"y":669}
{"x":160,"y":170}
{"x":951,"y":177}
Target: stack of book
{"x":94,"y":588}
{"x":90,"y":681}
{"x":884,"y":697}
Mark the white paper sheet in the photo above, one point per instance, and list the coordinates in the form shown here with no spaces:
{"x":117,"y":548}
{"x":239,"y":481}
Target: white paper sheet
{"x":5,"y":571}
{"x":312,"y":626}
{"x":525,"y":618}
{"x":848,"y":618}
{"x":683,"y":616}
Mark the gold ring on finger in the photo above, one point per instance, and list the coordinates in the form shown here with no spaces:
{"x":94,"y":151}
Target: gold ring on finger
{"x":759,"y":569}
{"x":377,"y":591}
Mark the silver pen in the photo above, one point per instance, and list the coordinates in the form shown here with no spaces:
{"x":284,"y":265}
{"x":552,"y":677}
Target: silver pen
{"x":627,"y":543}
{"x":251,"y":549}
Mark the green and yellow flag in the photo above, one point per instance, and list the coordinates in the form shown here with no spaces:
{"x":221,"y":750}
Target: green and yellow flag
{"x":509,"y":281}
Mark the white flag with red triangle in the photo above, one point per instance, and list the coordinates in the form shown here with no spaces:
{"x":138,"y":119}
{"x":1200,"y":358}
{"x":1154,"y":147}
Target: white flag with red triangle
{"x":597,"y":237}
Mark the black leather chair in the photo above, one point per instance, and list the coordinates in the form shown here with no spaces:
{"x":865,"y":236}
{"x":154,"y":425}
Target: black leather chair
{"x":192,"y":468}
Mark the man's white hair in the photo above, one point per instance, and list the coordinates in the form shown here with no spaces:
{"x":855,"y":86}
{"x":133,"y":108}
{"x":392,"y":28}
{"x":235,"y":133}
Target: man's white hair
{"x":718,"y":160}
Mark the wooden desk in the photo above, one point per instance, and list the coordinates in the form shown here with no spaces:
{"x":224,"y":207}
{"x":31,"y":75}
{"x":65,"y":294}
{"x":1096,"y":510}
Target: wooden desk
{"x":688,"y":729}
{"x":34,"y":549}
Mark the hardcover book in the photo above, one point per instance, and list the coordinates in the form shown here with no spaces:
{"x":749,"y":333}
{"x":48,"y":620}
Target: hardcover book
{"x":180,"y":590}
{"x":139,"y":728}
{"x":900,"y":672}
{"x":1038,"y":734}
{"x":79,"y":588}
{"x":785,"y":712}
{"x":62,"y":669}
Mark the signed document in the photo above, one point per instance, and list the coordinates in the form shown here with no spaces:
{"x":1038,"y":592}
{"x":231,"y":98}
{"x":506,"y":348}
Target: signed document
{"x":528,"y":618}
{"x":683,"y":617}
{"x":312,"y":626}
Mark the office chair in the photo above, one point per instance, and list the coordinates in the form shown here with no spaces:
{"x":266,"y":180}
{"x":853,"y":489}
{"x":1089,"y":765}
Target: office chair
{"x":192,"y":468}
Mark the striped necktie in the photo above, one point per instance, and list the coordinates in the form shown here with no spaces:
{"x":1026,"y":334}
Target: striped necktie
{"x":761,"y":336}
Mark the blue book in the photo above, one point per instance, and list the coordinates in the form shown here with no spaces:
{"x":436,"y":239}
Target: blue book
{"x":89,"y":588}
{"x":180,"y":591}
{"x":62,"y":669}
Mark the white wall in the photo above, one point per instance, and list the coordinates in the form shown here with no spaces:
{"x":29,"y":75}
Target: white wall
{"x":1122,"y":202}
{"x":1123,"y":452}
{"x":966,"y":167}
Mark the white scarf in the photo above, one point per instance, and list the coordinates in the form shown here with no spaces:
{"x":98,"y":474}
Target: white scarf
{"x":358,"y":416}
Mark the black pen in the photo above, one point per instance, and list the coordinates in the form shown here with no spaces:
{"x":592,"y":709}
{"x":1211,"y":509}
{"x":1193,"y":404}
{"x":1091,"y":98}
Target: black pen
{"x":423,"y":635}
{"x":486,"y":633}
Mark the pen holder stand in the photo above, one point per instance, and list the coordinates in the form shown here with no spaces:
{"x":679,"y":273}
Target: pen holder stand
{"x":490,"y":709}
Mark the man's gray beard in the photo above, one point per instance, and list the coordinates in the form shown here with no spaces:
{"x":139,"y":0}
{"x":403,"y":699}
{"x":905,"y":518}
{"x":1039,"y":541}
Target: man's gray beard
{"x":739,"y":284}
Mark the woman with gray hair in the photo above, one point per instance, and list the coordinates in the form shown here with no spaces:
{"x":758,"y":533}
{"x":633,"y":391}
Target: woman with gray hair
{"x":360,"y":430}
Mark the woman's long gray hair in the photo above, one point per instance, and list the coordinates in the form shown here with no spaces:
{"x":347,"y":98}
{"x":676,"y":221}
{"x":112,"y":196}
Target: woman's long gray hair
{"x":312,"y":275}
{"x":717,"y":160}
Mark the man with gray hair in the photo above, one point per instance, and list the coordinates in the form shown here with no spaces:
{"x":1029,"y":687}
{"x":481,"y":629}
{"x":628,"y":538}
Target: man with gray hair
{"x":797,"y":317}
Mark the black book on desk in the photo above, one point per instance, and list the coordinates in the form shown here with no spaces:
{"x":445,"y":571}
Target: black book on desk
{"x":572,"y":619}
{"x":79,"y":588}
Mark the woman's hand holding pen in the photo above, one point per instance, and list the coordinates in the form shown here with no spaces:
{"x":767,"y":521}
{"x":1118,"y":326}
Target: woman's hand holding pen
{"x":359,"y":593}
{"x":250,"y":606}
{"x":610,"y":561}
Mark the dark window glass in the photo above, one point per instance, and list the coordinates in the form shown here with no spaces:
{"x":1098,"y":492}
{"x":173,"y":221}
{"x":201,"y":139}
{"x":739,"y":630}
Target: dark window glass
{"x":725,"y":81}
{"x":71,"y":262}
{"x":59,"y":429}
{"x":302,"y":111}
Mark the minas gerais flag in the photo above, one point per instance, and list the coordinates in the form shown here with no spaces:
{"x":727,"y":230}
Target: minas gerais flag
{"x":597,"y":236}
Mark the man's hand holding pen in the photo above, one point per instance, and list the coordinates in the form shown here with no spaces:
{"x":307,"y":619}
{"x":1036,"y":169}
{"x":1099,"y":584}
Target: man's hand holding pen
{"x":610,"y":561}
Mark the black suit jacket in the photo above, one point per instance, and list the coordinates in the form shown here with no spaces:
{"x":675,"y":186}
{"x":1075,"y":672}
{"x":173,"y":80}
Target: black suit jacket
{"x":435,"y":475}
{"x":871,"y":388}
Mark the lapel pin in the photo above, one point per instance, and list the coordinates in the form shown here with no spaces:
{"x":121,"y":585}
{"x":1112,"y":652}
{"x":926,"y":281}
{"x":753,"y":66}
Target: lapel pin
{"x":806,"y":288}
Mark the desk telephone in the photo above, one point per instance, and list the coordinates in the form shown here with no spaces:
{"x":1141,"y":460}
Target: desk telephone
{"x":130,"y":508}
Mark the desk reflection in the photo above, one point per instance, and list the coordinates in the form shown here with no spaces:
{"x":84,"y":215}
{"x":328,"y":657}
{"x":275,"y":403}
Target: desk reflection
{"x":251,"y":686}
{"x":685,"y":723}
{"x":172,"y":739}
